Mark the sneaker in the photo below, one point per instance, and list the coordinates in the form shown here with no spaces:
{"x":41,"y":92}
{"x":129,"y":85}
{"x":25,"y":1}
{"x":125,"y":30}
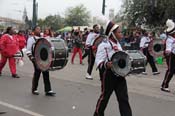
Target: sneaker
{"x":144,"y":73}
{"x":35,"y":92}
{"x":165,"y":89}
{"x":15,"y":76}
{"x":156,"y":73}
{"x":50,"y":93}
{"x":89,"y":77}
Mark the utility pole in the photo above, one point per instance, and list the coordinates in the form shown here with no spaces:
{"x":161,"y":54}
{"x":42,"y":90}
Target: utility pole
{"x":34,"y":19}
{"x":103,"y":7}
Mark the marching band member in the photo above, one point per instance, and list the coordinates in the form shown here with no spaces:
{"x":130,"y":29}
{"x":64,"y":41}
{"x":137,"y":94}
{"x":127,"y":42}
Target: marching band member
{"x":22,"y":40}
{"x":109,"y":81}
{"x":84,"y":37}
{"x":77,"y":47}
{"x":9,"y":47}
{"x":22,"y":43}
{"x":37,"y":72}
{"x":88,"y":46}
{"x":170,"y":55}
{"x":144,"y":43}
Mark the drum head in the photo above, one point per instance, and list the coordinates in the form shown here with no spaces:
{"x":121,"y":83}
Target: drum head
{"x":156,"y":48}
{"x":121,"y":64}
{"x":43,"y":54}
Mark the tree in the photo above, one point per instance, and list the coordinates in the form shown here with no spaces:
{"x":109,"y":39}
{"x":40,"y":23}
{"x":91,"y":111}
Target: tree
{"x":55,"y":22}
{"x":28,"y":23}
{"x":150,"y":12}
{"x":41,"y":23}
{"x":1,"y":28}
{"x":77,"y":16}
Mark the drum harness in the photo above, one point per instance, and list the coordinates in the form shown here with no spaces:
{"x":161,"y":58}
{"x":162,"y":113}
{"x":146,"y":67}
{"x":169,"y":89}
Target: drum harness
{"x":107,"y":51}
{"x":108,"y":55}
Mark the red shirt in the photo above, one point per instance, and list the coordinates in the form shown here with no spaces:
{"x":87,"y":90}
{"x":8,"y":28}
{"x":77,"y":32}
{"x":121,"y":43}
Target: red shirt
{"x":22,"y":41}
{"x":9,"y":45}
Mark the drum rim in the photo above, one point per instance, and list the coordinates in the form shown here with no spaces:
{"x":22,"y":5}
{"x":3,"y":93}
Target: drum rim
{"x":49,"y":55}
{"x":129,"y":64}
{"x":150,"y":47}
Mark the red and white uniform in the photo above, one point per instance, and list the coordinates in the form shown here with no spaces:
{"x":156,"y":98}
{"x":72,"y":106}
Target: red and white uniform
{"x":22,"y":41}
{"x":105,"y":51}
{"x":9,"y":46}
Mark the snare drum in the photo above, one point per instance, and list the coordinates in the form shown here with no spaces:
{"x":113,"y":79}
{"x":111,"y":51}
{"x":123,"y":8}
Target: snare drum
{"x":138,"y":61}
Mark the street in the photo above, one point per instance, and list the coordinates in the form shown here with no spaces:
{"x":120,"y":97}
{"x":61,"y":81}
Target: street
{"x":76,"y":96}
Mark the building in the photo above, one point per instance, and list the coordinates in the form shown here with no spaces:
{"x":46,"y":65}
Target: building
{"x":6,"y":22}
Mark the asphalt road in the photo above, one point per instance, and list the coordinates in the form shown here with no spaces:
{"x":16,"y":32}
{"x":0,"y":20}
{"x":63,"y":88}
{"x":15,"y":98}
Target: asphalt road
{"x":77,"y":96}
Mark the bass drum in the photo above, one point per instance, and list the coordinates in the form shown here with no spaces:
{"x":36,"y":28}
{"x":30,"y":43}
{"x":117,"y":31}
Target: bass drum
{"x":50,"y":54}
{"x":121,"y":63}
{"x":138,"y":61}
{"x":156,"y":48}
{"x":97,"y":41}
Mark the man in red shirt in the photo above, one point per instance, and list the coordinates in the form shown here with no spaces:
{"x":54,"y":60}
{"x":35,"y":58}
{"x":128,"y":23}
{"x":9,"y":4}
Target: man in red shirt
{"x":9,"y":46}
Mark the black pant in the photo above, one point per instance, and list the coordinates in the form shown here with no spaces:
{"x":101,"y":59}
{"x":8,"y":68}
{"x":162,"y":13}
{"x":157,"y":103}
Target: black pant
{"x":91,"y":61}
{"x":110,"y":83}
{"x":150,"y":59}
{"x":36,"y":76}
{"x":169,"y":73}
{"x":86,"y":53}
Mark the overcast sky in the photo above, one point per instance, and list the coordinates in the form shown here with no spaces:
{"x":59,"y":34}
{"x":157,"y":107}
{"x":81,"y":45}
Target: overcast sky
{"x":14,"y":8}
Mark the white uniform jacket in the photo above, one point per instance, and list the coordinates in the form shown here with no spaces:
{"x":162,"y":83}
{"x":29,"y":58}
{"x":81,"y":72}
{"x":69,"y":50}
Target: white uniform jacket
{"x":144,"y":42}
{"x":90,"y":38}
{"x":30,"y":42}
{"x":105,"y":51}
{"x":170,"y":44}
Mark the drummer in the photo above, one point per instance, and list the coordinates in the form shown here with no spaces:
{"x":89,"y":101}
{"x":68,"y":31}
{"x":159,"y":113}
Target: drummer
{"x":47,"y":85}
{"x":89,"y":49}
{"x":109,"y":81}
{"x":144,"y":43}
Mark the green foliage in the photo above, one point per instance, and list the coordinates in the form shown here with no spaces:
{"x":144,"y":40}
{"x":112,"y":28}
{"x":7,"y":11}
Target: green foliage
{"x":151,"y":12}
{"x":74,"y":16}
{"x":28,"y":23}
{"x":55,"y":22}
{"x":77,"y":16}
{"x":1,"y":27}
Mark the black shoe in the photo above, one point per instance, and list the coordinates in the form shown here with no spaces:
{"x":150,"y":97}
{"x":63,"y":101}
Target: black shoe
{"x":15,"y":76}
{"x":165,"y":89}
{"x":95,"y":114}
{"x":156,"y":73}
{"x":50,"y":93}
{"x":35,"y":92}
{"x":0,"y":74}
{"x":2,"y":112}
